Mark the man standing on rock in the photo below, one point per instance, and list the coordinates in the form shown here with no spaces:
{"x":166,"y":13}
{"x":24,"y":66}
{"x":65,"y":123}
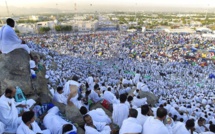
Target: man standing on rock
{"x":9,"y":40}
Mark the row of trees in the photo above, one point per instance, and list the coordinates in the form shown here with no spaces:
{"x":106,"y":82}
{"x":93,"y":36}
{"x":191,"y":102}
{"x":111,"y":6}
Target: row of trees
{"x":27,"y":21}
{"x":58,"y":28}
{"x":44,"y":29}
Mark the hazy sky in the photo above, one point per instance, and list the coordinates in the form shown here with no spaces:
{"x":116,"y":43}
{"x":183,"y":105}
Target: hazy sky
{"x":17,"y":7}
{"x":63,"y":3}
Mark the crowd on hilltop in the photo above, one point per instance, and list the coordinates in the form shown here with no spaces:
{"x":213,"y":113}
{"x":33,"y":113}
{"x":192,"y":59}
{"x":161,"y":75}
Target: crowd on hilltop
{"x":114,"y":69}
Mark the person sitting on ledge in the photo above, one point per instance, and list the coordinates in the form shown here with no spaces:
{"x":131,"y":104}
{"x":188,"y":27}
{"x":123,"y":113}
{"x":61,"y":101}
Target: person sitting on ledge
{"x":9,"y":40}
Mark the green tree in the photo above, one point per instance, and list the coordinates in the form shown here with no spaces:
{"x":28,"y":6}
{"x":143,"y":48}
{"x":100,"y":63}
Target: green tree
{"x":27,"y":21}
{"x":63,"y":28}
{"x":165,"y":23}
{"x":132,"y":19}
{"x":58,"y":28}
{"x":132,"y":27}
{"x":140,"y":22}
{"x":44,"y":29}
{"x":17,"y":31}
{"x":122,"y":20}
{"x":183,"y":20}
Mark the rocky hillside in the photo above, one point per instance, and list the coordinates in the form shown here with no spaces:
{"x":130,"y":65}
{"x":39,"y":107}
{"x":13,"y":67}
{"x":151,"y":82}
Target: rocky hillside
{"x":15,"y":71}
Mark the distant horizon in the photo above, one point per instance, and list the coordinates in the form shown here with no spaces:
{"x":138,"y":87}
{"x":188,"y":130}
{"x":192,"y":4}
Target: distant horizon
{"x":19,"y":7}
{"x":62,"y":3}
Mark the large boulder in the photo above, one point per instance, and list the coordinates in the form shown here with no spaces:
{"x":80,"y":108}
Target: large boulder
{"x":44,"y":98}
{"x":61,"y":106}
{"x":80,"y":130}
{"x":151,"y":98}
{"x":14,"y":71}
{"x":73,"y":114}
{"x":39,"y":83}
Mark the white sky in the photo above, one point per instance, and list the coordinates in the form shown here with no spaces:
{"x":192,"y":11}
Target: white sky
{"x":66,"y":3}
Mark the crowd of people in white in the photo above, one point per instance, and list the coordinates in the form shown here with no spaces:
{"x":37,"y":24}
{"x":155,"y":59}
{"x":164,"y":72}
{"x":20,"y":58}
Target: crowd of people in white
{"x":96,"y":68}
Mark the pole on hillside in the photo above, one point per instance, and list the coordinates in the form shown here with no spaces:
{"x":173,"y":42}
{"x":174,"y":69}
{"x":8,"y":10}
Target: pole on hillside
{"x":7,"y":8}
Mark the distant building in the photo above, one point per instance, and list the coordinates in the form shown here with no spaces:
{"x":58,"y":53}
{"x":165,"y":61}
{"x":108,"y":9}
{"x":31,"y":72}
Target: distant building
{"x":115,"y":19}
{"x":182,"y":30}
{"x":35,"y":18}
{"x":131,"y":30}
{"x":195,"y":23}
{"x":134,"y":23}
{"x":50,"y":24}
{"x":80,"y":18}
{"x":203,"y":30}
{"x":143,"y":29}
{"x":162,"y":29}
{"x":208,"y":35}
{"x":81,"y":26}
{"x":26,"y":28}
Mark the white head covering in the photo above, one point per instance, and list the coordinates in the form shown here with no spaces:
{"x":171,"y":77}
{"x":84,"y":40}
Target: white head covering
{"x":54,"y":110}
{"x":32,"y":64}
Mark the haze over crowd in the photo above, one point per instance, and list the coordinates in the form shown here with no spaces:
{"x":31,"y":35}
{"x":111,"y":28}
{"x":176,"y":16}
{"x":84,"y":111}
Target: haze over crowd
{"x":49,"y":6}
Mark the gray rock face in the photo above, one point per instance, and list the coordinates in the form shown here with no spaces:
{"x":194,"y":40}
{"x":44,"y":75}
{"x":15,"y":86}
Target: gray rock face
{"x":151,"y":98}
{"x":61,"y":106}
{"x":14,"y":71}
{"x":40,"y":83}
{"x":73,"y":114}
{"x":44,"y":98}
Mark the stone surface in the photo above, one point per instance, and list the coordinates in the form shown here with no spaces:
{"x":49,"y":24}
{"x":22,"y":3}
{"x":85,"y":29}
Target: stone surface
{"x":14,"y":71}
{"x":61,"y":106}
{"x":151,"y":98}
{"x":44,"y":98}
{"x":72,"y":113}
{"x":39,"y":84}
{"x":80,"y":130}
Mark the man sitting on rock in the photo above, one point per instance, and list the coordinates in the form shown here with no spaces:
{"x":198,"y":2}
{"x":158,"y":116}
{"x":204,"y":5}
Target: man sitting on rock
{"x":11,"y":110}
{"x":9,"y":41}
{"x":8,"y":111}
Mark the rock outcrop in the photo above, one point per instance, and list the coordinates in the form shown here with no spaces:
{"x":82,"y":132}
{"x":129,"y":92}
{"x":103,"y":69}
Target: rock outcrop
{"x":15,"y":71}
{"x":151,"y":98}
{"x":72,"y":113}
{"x":39,"y":84}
